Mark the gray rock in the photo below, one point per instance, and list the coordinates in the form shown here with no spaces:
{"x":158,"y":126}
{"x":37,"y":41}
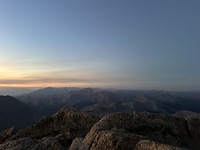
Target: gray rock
{"x":7,"y":133}
{"x":48,"y":143}
{"x":76,"y":144}
{"x":67,"y":121}
{"x":152,"y":145}
{"x":127,"y":131}
{"x":55,"y":132}
{"x":186,"y":114}
{"x":19,"y":144}
{"x":76,"y":130}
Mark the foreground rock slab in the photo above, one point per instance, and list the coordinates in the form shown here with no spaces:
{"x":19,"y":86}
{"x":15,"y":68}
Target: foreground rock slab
{"x":74,"y":130}
{"x":120,"y":131}
{"x":61,"y":129}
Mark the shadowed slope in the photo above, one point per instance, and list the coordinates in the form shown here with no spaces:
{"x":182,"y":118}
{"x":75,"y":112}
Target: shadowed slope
{"x":15,"y":113}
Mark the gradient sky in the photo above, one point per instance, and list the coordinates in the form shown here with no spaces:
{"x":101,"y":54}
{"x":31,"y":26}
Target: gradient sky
{"x":131,"y":44}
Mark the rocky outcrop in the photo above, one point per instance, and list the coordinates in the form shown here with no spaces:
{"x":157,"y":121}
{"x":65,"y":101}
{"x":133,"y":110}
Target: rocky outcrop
{"x":137,"y":131}
{"x":194,"y":132}
{"x":152,"y":145}
{"x":7,"y":133}
{"x":187,"y":114}
{"x":74,"y":130}
{"x":193,"y":122}
{"x":68,"y":122}
{"x":62,"y":128}
{"x":47,"y":143}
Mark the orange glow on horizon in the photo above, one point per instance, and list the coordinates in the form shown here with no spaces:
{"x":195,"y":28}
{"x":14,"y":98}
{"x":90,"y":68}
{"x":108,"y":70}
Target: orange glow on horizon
{"x":40,"y":85}
{"x":10,"y":77}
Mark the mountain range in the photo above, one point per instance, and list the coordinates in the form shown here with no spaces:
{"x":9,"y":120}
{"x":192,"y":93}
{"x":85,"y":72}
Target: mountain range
{"x":101,"y":102}
{"x":87,"y":118}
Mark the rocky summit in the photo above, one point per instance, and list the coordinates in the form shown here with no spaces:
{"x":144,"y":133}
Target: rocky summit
{"x":139,"y":131}
{"x":75,"y":130}
{"x":62,"y":127}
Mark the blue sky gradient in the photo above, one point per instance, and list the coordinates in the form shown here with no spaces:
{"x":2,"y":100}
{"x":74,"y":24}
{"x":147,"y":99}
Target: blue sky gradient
{"x":131,"y":44}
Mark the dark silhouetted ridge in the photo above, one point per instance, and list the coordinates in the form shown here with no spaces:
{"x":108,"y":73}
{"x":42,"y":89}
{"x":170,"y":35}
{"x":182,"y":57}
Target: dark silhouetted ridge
{"x":15,"y":113}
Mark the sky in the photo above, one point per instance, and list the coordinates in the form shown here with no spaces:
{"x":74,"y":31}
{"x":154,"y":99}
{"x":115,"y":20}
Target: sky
{"x":125,"y":44}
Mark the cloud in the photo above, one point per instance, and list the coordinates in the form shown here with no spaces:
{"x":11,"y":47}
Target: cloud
{"x":62,"y":78}
{"x":85,"y":76}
